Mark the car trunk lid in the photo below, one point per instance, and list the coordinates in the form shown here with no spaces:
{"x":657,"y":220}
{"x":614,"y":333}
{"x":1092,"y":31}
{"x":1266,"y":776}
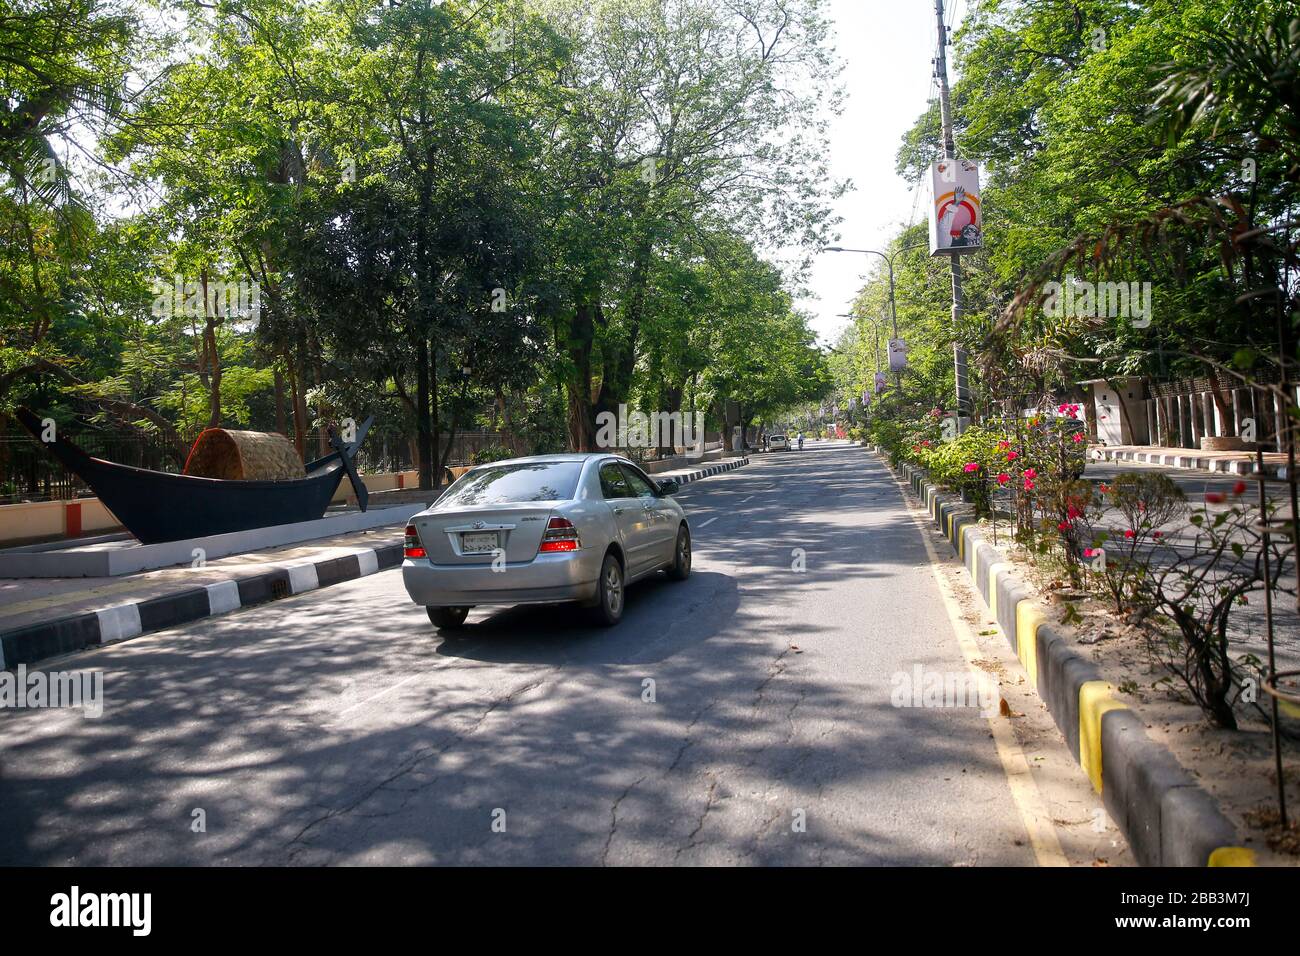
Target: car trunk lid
{"x":473,"y":534}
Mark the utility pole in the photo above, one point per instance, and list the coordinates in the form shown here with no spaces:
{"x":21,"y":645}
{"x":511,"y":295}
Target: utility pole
{"x":950,"y":153}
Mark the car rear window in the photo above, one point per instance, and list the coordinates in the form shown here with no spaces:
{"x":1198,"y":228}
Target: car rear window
{"x":502,"y":484}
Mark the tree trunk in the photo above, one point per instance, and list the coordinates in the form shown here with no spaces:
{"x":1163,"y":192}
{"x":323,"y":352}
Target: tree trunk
{"x":1222,"y":403}
{"x":423,"y":429}
{"x":279,"y":401}
{"x":579,"y":342}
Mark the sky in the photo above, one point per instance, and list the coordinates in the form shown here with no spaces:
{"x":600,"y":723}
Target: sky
{"x":887,"y":48}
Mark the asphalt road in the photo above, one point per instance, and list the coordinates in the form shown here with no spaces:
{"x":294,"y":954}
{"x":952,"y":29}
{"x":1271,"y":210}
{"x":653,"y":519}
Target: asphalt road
{"x":337,"y":727}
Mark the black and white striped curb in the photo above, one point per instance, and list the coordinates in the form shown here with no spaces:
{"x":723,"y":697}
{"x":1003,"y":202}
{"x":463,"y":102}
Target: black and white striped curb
{"x":1190,"y":460}
{"x":717,"y":469}
{"x":118,"y":622}
{"x":38,"y":642}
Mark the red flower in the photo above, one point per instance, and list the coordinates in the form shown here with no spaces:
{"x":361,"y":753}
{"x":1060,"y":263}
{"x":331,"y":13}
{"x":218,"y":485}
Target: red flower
{"x":1029,"y":485}
{"x":1213,"y":497}
{"x":1063,"y":526}
{"x":1130,"y":533}
{"x":1012,"y":456}
{"x":1239,"y":488}
{"x":1104,"y":488}
{"x":1003,"y":478}
{"x":1078,"y":437}
{"x":1004,"y":445}
{"x":1157,"y":534}
{"x":1031,"y":472}
{"x":1072,"y":512}
{"x":1062,"y":408}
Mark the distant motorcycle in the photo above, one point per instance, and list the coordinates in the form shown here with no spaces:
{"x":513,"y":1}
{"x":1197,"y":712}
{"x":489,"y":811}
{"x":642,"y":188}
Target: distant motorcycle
{"x":801,"y":443}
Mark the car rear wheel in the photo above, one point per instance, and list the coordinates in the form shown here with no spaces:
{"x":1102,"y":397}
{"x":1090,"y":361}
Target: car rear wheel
{"x":447,"y":617}
{"x":680,"y":569}
{"x":609,"y":593}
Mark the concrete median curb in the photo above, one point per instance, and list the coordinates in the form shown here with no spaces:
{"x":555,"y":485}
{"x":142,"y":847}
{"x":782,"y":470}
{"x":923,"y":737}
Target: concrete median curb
{"x":119,"y":622}
{"x":36,"y":643}
{"x":1167,"y":818}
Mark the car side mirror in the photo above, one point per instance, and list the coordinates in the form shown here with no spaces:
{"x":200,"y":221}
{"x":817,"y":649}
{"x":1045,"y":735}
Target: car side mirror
{"x":669,"y":486}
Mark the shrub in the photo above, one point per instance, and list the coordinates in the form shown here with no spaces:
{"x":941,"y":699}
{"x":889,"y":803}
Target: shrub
{"x":1194,"y":585}
{"x":1118,"y":555}
{"x":490,"y":453}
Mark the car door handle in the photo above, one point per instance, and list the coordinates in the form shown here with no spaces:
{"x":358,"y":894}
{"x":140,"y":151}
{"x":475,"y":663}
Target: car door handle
{"x":618,"y":511}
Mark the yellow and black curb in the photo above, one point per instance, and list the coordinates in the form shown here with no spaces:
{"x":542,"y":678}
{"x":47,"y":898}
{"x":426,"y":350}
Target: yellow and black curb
{"x":1168,"y":819}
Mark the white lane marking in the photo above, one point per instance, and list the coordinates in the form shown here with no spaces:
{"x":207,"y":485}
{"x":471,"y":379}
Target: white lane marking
{"x":743,"y":500}
{"x":705,"y":524}
{"x":1024,"y":789}
{"x":374,"y":697}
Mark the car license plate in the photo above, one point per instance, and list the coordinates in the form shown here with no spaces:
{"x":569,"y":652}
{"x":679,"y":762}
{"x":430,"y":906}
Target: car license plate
{"x":479,"y":543}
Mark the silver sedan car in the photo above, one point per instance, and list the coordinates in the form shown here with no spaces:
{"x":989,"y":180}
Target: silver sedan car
{"x":544,"y":530}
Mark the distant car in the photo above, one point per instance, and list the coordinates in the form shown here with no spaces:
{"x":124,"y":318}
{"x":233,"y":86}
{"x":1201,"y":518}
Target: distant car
{"x":544,"y":530}
{"x":778,"y":443}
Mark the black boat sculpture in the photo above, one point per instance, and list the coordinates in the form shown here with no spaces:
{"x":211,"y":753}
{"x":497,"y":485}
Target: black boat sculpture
{"x":158,"y":506}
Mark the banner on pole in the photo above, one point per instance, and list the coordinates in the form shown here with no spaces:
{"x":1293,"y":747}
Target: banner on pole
{"x":897,"y":355}
{"x":956,"y":217}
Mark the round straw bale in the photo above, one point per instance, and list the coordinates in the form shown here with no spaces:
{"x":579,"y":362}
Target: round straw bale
{"x":248,"y":456}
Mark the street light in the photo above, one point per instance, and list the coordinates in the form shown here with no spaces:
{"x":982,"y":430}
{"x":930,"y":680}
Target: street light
{"x":893,"y":304}
{"x":889,"y":261}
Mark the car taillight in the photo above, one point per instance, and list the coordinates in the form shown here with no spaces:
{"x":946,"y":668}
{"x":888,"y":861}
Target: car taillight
{"x":560,"y":535}
{"x":413,"y":548}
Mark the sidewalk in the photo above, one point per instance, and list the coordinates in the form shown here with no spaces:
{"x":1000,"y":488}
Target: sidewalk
{"x":1227,"y":462}
{"x":42,"y":618}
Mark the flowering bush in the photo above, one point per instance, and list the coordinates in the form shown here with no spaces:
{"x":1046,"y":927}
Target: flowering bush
{"x":1124,"y":525}
{"x":967,"y":463}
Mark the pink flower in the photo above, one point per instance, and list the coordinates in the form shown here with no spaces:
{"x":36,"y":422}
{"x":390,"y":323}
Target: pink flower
{"x":1031,"y":472}
{"x":1062,"y":409}
{"x":1130,"y":533}
{"x":1029,"y":485}
{"x":971,"y":466}
{"x":1004,"y":445}
{"x":1157,"y":534}
{"x":1003,"y":478}
{"x":1078,"y":437}
{"x":1091,"y":552}
{"x":1012,"y":456}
